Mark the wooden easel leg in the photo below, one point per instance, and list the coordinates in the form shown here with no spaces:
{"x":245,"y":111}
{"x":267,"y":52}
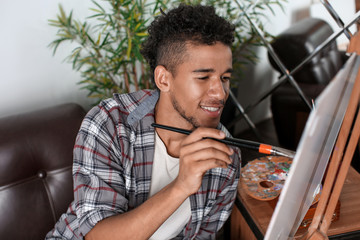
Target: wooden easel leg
{"x":317,"y":235}
{"x":354,"y":139}
{"x":335,"y":163}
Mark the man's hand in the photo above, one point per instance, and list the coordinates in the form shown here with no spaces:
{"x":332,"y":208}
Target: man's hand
{"x":197,"y":155}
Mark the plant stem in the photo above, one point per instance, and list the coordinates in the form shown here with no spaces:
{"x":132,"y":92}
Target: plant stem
{"x":127,"y":84}
{"x":135,"y":77}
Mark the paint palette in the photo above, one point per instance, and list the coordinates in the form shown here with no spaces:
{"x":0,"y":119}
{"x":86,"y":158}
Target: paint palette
{"x":264,"y":178}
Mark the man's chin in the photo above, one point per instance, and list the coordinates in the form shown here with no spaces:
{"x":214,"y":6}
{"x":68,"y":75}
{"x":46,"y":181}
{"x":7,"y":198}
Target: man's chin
{"x":210,"y":124}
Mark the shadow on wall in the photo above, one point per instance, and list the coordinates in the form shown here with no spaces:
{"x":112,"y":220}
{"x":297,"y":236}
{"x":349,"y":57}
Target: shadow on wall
{"x":300,"y":14}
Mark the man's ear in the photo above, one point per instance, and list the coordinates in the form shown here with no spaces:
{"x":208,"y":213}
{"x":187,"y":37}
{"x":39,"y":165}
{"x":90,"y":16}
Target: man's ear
{"x":162,"y":78}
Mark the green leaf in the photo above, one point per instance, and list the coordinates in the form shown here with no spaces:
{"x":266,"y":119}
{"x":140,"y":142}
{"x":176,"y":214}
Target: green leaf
{"x":98,"y":5}
{"x":69,"y":19}
{"x":96,"y":16}
{"x":62,"y":13}
{"x":105,"y":40}
{"x":129,"y":47}
{"x":113,"y":43}
{"x":141,"y":34}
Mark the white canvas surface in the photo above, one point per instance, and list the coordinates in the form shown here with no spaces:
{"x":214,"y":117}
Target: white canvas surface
{"x":313,"y":153}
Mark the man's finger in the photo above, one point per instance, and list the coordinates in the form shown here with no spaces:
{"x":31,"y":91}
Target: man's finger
{"x":205,"y":154}
{"x":206,"y":144}
{"x":201,"y":133}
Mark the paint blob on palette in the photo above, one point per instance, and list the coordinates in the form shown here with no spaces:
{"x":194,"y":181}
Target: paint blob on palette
{"x":264,"y":178}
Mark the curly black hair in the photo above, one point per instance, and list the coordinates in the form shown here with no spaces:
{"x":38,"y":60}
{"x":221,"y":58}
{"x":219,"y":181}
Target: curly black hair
{"x":169,"y":33}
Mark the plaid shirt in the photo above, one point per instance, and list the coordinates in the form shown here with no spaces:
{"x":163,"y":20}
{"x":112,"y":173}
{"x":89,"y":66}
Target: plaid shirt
{"x":113,"y":157}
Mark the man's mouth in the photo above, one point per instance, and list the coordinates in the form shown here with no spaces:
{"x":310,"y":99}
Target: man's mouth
{"x":211,"y":109}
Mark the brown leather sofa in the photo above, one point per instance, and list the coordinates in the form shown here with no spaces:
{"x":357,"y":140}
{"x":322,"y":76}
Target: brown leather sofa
{"x":35,"y":169}
{"x":292,"y":46}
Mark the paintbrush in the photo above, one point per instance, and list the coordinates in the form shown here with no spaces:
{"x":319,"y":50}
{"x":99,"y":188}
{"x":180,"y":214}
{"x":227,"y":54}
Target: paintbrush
{"x":259,"y":147}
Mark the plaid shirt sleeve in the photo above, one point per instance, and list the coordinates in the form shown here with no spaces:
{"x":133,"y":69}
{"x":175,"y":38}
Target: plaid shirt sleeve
{"x":99,"y":187}
{"x":220,"y":208}
{"x":103,"y":168}
{"x":215,"y":199}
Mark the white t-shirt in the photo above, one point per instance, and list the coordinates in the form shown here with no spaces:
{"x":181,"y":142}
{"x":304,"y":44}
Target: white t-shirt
{"x":165,"y":169}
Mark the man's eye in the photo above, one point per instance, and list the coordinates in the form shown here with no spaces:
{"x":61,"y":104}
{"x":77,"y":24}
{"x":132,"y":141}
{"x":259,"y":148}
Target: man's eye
{"x":225,"y":78}
{"x":203,"y":78}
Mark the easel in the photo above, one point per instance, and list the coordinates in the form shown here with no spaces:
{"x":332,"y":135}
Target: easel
{"x":340,"y":161}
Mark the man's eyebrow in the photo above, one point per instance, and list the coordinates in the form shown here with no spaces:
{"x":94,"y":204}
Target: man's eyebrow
{"x":206,"y":70}
{"x":203,"y":70}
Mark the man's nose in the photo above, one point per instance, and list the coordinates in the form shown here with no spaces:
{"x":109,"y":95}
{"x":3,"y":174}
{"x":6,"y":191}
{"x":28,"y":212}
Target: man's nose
{"x":218,"y":89}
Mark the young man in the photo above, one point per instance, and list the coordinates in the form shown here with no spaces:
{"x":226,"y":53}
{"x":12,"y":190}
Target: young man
{"x":132,"y":181}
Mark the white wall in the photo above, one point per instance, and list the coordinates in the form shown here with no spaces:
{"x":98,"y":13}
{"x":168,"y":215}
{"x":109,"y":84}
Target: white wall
{"x":344,"y":8}
{"x":31,"y":77}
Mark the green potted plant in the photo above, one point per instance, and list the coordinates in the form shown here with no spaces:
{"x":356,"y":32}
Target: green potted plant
{"x":107,"y":52}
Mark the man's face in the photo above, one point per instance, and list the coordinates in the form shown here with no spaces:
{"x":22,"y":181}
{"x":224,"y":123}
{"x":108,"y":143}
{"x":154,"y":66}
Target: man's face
{"x":200,"y":86}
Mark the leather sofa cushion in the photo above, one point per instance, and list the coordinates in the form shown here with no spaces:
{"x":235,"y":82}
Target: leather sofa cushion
{"x":299,"y":41}
{"x":35,"y":169}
